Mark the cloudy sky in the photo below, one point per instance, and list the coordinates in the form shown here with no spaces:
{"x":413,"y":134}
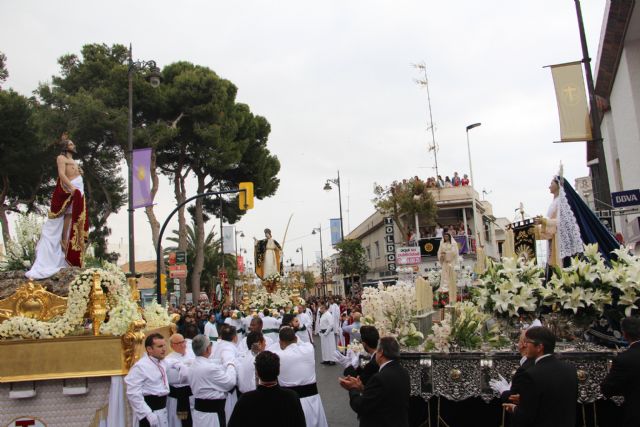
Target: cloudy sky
{"x":334,"y":79}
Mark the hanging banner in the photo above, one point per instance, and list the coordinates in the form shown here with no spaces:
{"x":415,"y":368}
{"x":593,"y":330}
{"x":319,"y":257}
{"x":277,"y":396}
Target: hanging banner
{"x":141,"y":183}
{"x":571,"y":97}
{"x":228,"y":239}
{"x":336,"y":231}
{"x":240,"y":262}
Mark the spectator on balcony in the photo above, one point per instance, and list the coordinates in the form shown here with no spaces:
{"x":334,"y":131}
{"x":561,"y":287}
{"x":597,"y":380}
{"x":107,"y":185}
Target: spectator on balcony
{"x":439,"y":231}
{"x":447,"y":182}
{"x":456,"y":179}
{"x":465,"y":180}
{"x":439,"y":182}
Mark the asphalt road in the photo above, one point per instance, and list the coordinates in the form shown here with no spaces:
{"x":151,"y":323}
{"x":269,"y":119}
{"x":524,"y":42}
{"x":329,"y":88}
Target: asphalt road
{"x":335,"y":399}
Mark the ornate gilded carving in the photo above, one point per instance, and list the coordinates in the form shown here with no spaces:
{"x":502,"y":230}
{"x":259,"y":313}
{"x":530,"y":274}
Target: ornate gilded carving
{"x":98,"y":305}
{"x":132,"y":343}
{"x":34,"y":301}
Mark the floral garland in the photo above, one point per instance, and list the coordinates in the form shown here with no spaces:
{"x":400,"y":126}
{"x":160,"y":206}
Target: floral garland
{"x":261,"y":299}
{"x":121,"y":309}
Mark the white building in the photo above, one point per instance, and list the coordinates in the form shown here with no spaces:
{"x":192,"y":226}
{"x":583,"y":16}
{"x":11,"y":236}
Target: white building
{"x":618,"y":89}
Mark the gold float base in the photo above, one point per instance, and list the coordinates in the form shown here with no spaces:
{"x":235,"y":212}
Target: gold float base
{"x":68,"y":357}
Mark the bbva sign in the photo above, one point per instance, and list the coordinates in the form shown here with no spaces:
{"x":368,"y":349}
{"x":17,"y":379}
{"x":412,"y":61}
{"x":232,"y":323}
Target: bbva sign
{"x":622,"y":199}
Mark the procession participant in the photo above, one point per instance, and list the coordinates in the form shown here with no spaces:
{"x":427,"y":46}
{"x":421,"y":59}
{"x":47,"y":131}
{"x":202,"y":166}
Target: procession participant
{"x":306,"y":324}
{"x":334,"y":309}
{"x":327,"y":339}
{"x":269,"y":405}
{"x":298,"y":373}
{"x":270,"y":325}
{"x":353,"y":329}
{"x":448,"y":257}
{"x":254,"y":343}
{"x":147,"y":385}
{"x":209,"y":381}
{"x":235,"y":320}
{"x":226,"y":351}
{"x":351,"y":362}
{"x":210,"y":328}
{"x":179,"y":403}
{"x":63,"y":236}
{"x":268,"y":256}
{"x":254,"y":326}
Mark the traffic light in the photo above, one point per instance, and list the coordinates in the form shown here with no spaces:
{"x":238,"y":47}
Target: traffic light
{"x":245,"y":196}
{"x":163,"y":283}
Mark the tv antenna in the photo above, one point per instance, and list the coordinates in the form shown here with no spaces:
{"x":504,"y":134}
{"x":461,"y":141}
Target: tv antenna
{"x":425,"y":82}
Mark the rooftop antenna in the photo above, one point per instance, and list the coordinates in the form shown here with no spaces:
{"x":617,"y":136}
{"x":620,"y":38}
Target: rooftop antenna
{"x":425,"y":82}
{"x":485,"y":193}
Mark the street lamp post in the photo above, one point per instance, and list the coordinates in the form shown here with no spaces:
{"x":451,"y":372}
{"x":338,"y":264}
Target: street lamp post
{"x":327,"y":187}
{"x":324,"y":276}
{"x":473,"y":183}
{"x":154,"y":80}
{"x":302,"y":255}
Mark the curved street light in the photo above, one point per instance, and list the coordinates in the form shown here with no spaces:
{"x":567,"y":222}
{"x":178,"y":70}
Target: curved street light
{"x":327,"y":187}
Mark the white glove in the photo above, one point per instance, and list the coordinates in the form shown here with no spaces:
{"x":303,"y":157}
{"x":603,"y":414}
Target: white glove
{"x":354,"y":358}
{"x":341,"y":359}
{"x":153,"y":419}
{"x":500,"y":385}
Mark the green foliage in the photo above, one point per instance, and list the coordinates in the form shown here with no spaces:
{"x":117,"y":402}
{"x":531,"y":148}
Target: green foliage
{"x":309,"y":280}
{"x":352,"y":259}
{"x":4,"y":73}
{"x":402,"y":200}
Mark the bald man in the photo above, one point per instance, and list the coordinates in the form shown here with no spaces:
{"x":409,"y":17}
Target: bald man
{"x":180,"y":402}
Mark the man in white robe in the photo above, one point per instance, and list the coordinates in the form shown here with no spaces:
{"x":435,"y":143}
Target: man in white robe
{"x":235,"y":320}
{"x":148,"y":386}
{"x":306,"y":325}
{"x":254,"y":326}
{"x":327,"y":336}
{"x":334,"y":309}
{"x":209,"y":380}
{"x":298,"y":373}
{"x":270,"y":325}
{"x":255,"y":343}
{"x":225,"y":351}
{"x":180,"y":401}
{"x":210,"y":328}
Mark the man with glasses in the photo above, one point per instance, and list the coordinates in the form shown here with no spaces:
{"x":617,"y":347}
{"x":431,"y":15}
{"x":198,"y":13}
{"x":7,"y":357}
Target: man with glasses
{"x":180,"y":403}
{"x":549,"y":389}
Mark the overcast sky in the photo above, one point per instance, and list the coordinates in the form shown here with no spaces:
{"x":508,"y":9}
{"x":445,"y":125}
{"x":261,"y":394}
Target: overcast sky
{"x":334,"y":79}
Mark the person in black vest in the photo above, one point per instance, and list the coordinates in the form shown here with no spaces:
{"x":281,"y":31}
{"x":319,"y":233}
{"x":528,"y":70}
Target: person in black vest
{"x":624,"y":377}
{"x":269,"y":405}
{"x":384,"y":401}
{"x":549,"y":389}
{"x":369,"y":336}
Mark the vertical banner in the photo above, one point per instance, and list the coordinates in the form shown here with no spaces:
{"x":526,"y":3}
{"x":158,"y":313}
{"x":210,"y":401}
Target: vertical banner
{"x":240,"y":262}
{"x":571,"y":97}
{"x":228,"y":239}
{"x":141,"y":178}
{"x":390,"y":243}
{"x":336,"y":231}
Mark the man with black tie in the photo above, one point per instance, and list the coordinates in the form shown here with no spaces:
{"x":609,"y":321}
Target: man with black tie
{"x":624,"y":377}
{"x":384,"y":401}
{"x":549,"y":389}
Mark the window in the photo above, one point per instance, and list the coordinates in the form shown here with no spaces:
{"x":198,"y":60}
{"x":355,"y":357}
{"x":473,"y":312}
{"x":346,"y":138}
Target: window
{"x":368,"y":249}
{"x":377,"y":249}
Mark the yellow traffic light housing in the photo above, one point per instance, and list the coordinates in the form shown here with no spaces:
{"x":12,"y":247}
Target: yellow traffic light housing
{"x":163,"y":283}
{"x":245,"y":195}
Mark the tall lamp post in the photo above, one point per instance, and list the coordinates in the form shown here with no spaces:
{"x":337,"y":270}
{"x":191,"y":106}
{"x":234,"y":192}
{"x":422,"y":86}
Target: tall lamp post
{"x":154,"y":80}
{"x":323,"y":273}
{"x":473,"y":183}
{"x":327,"y":187}
{"x":302,"y":255}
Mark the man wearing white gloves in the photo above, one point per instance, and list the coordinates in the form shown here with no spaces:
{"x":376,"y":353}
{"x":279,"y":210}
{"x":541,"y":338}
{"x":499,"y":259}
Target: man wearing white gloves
{"x":510,"y":391}
{"x":351,"y":362}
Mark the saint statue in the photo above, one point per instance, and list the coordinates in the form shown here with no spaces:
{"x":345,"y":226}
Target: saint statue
{"x":448,"y":254}
{"x":268,"y":256}
{"x":63,"y":237}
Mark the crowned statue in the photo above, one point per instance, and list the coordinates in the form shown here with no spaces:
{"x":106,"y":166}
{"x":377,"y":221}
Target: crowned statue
{"x":268,"y":257}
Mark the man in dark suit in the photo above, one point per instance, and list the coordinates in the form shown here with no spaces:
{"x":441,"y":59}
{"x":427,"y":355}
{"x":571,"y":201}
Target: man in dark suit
{"x":369,"y":336}
{"x":384,"y":401}
{"x":549,"y":389}
{"x":269,"y":405}
{"x":624,"y":377}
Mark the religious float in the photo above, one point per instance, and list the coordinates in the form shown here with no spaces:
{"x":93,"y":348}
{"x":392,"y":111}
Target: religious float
{"x":454,"y":355}
{"x":66,"y":344}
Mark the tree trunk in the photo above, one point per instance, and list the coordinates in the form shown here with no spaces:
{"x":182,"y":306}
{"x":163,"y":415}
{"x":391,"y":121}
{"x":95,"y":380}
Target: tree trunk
{"x":198,"y":263}
{"x":151,"y":215}
{"x":180,"y":194}
{"x":6,"y":236}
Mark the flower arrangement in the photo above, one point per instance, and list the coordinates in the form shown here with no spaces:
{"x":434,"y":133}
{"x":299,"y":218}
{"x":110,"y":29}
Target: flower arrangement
{"x":440,"y":299}
{"x":276,"y":300}
{"x":391,"y":310}
{"x":156,"y":315}
{"x":21,"y":252}
{"x":466,"y":329}
{"x":274,"y":278}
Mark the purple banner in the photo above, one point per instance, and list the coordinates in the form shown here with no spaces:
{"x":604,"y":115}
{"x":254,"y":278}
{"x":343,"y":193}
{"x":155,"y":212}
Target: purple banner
{"x":462,"y":244}
{"x":142,"y":178}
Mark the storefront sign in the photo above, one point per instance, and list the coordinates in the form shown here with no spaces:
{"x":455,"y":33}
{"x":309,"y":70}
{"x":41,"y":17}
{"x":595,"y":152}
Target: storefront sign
{"x":408,"y":255}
